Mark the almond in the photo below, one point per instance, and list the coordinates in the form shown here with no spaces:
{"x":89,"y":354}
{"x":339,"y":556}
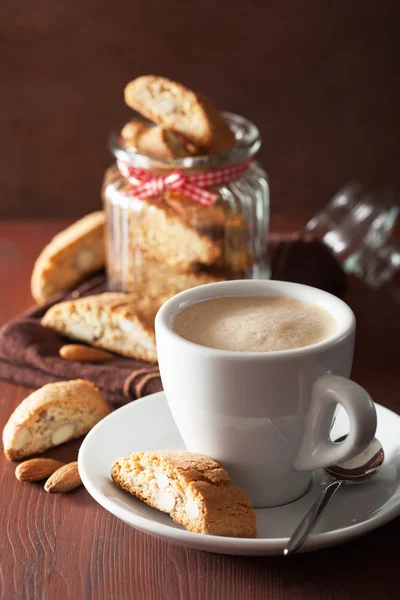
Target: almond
{"x":37,"y":469}
{"x":161,"y":478}
{"x":22,"y":437}
{"x":62,"y":433}
{"x":164,"y":501}
{"x":79,"y":331}
{"x":84,"y":353}
{"x":192,"y":509}
{"x":65,"y":479}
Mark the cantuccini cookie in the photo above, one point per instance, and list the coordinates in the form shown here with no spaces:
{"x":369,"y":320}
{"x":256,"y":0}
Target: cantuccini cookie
{"x":132,"y":131}
{"x":71,"y":255}
{"x":168,"y":238}
{"x":227,"y":229}
{"x":160,"y":282}
{"x":155,"y":142}
{"x":223,"y":138}
{"x":193,"y":489}
{"x":175,"y":107}
{"x":52,"y":415}
{"x":206,"y":219}
{"x":122,"y":323}
{"x":236,"y":255}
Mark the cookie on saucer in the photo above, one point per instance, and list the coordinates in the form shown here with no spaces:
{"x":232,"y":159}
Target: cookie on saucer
{"x":193,"y":489}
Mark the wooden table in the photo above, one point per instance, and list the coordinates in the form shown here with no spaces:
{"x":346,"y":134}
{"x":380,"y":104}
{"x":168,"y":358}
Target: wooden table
{"x":67,"y":547}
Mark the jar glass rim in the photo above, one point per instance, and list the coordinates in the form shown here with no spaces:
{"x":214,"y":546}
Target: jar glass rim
{"x":248,"y":143}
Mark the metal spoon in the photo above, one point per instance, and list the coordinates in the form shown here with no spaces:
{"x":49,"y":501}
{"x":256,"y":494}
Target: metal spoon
{"x":356,"y":470}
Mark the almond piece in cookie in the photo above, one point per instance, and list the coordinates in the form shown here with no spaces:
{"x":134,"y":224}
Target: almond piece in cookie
{"x":155,"y":142}
{"x":176,"y":107}
{"x":52,"y":415}
{"x":122,"y":323}
{"x":71,"y":255}
{"x":193,"y":489}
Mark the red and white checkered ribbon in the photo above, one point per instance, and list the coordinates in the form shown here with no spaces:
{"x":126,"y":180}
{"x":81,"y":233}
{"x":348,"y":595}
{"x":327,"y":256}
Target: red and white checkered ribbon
{"x":145,"y":185}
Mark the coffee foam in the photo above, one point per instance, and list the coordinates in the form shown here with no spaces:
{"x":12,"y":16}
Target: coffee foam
{"x":254,"y":324}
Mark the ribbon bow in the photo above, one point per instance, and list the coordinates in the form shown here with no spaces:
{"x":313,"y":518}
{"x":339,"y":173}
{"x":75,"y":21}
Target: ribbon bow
{"x":145,"y":185}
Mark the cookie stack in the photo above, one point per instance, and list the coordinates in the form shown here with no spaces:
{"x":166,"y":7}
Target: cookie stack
{"x":158,"y":246}
{"x":180,"y":243}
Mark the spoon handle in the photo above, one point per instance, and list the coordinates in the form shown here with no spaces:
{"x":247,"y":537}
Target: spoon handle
{"x":311,"y":519}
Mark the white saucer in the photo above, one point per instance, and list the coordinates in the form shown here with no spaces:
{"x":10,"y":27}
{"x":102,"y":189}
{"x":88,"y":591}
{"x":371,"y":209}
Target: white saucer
{"x":147,"y":424}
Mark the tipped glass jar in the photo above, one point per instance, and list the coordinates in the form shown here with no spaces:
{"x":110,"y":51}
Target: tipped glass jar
{"x":162,"y":244}
{"x":357,"y":226}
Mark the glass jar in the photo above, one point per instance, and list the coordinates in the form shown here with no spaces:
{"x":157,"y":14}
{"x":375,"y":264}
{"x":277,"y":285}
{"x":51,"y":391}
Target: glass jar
{"x":357,"y":226}
{"x":160,"y":245}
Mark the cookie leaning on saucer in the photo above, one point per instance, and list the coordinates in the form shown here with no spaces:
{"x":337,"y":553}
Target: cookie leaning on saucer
{"x":52,"y":415}
{"x":193,"y":489}
{"x":71,"y":255}
{"x":175,"y":107}
{"x":122,"y":323}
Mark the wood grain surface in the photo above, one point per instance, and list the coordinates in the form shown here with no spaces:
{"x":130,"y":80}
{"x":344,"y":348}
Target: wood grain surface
{"x":320,"y":79}
{"x":67,"y":547}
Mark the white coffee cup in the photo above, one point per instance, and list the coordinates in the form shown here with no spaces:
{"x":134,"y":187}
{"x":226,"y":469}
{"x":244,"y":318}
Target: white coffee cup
{"x":265,"y":416}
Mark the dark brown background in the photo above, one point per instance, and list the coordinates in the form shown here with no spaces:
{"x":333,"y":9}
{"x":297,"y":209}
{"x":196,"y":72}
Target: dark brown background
{"x":319,"y":78}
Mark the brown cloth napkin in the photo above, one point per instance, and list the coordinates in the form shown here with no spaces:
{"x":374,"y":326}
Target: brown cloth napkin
{"x":29,"y":353}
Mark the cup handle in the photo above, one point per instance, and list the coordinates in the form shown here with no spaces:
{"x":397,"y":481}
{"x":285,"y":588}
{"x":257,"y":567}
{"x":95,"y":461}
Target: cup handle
{"x":316,"y":449}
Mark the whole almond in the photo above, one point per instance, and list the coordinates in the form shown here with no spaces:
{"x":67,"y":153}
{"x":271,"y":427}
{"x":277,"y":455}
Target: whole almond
{"x":37,"y":469}
{"x":64,"y":479}
{"x":82,"y":353}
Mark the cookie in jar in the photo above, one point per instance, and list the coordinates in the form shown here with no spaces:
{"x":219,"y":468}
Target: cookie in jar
{"x":186,"y":203}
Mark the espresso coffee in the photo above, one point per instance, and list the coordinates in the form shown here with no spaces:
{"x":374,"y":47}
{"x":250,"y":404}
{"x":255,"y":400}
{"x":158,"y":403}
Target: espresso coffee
{"x":254,"y":323}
